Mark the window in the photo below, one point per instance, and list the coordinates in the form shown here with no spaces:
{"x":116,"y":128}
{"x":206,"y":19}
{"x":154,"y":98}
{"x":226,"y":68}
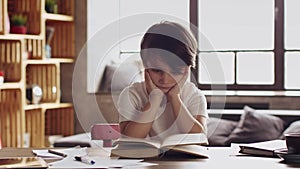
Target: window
{"x":232,"y":24}
{"x":292,"y":44}
{"x":256,"y":50}
{"x":292,"y":62}
{"x":216,"y":68}
{"x":255,"y":68}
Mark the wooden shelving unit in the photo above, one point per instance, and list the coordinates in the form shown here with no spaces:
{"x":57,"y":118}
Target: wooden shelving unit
{"x":24,"y":62}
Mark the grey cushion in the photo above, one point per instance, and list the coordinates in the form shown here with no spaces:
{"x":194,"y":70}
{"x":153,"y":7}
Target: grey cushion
{"x":293,"y":128}
{"x":255,"y":127}
{"x":218,"y":130}
{"x":82,"y":140}
{"x":117,"y":77}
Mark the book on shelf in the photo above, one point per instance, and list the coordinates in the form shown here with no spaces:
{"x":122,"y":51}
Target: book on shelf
{"x":265,"y":148}
{"x":178,"y":144}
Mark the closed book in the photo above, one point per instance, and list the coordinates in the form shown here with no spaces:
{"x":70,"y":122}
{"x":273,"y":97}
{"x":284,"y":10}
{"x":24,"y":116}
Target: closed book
{"x":188,"y":144}
{"x":265,"y":148}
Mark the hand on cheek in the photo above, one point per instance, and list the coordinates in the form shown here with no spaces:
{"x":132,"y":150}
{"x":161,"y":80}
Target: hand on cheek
{"x":149,"y":83}
{"x":155,"y":94}
{"x":175,"y":90}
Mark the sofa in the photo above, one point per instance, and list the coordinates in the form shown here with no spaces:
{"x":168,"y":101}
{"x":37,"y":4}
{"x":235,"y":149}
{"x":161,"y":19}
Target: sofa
{"x":223,"y":129}
{"x":252,"y":126}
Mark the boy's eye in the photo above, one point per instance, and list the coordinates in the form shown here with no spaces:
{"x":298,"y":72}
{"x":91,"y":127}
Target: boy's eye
{"x":177,"y":73}
{"x":174,"y":72}
{"x":156,"y":70}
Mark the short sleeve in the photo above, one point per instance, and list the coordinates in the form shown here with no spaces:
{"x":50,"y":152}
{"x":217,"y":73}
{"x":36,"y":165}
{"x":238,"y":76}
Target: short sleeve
{"x":127,"y":106}
{"x":195,"y":100}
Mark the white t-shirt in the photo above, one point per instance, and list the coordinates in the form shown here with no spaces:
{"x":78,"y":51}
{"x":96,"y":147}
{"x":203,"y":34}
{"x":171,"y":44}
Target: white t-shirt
{"x":133,"y":98}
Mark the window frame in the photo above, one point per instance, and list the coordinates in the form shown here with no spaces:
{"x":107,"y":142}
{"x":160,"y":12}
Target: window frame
{"x":278,"y":53}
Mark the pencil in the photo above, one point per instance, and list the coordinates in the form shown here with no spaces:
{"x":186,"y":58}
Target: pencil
{"x":57,"y":153}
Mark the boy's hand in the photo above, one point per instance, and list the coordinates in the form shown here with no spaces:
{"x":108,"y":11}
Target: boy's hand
{"x":150,"y":86}
{"x":155,"y":94}
{"x":175,"y":90}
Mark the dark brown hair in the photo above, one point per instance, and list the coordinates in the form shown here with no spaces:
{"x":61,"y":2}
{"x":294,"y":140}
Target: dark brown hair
{"x":172,"y":38}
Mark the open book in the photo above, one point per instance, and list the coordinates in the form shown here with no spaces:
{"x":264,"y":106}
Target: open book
{"x":265,"y":148}
{"x":188,"y":144}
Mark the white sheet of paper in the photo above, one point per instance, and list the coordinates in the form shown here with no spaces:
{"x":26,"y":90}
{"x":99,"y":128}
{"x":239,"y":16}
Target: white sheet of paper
{"x":69,"y":151}
{"x":100,"y":161}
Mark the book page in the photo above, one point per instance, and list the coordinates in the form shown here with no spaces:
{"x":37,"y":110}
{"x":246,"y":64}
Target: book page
{"x":185,"y":139}
{"x":196,"y":150}
{"x":138,"y":142}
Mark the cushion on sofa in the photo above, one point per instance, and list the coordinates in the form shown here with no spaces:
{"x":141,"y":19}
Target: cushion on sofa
{"x":118,"y":76}
{"x":218,"y":130}
{"x":293,"y":128}
{"x":255,"y":127}
{"x":81,"y":139}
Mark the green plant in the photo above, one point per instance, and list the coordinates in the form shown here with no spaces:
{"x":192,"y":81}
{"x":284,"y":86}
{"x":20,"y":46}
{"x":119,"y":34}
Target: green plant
{"x":18,"y":20}
{"x":51,"y":6}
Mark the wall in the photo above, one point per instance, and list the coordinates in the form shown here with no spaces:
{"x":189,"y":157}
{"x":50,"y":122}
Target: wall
{"x":74,"y":81}
{"x":115,"y":29}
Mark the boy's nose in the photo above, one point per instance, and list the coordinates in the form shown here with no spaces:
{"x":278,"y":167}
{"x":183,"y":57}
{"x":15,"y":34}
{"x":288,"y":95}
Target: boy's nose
{"x":165,"y":78}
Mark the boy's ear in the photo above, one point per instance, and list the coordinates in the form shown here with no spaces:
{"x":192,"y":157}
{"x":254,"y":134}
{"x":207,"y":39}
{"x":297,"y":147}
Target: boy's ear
{"x":188,"y":68}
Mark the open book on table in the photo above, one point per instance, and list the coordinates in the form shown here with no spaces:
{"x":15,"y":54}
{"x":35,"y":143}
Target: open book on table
{"x":265,"y":148}
{"x":188,"y":144}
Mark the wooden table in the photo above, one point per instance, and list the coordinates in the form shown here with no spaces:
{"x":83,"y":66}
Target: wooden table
{"x":219,"y":157}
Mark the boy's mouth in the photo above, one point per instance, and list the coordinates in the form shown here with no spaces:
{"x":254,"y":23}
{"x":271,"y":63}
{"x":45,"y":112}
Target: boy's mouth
{"x":165,"y":88}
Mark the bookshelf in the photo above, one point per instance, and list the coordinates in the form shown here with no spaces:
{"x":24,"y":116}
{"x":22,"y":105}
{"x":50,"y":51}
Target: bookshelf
{"x":24,"y":62}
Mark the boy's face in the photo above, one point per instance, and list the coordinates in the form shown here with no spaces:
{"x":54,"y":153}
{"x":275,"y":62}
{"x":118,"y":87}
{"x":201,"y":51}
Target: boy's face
{"x":163,"y":76}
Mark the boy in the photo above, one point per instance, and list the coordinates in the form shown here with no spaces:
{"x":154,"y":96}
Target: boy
{"x":165,"y":103}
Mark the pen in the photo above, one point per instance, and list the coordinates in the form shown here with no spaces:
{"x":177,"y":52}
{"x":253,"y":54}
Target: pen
{"x":84,"y":159}
{"x":57,"y":153}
